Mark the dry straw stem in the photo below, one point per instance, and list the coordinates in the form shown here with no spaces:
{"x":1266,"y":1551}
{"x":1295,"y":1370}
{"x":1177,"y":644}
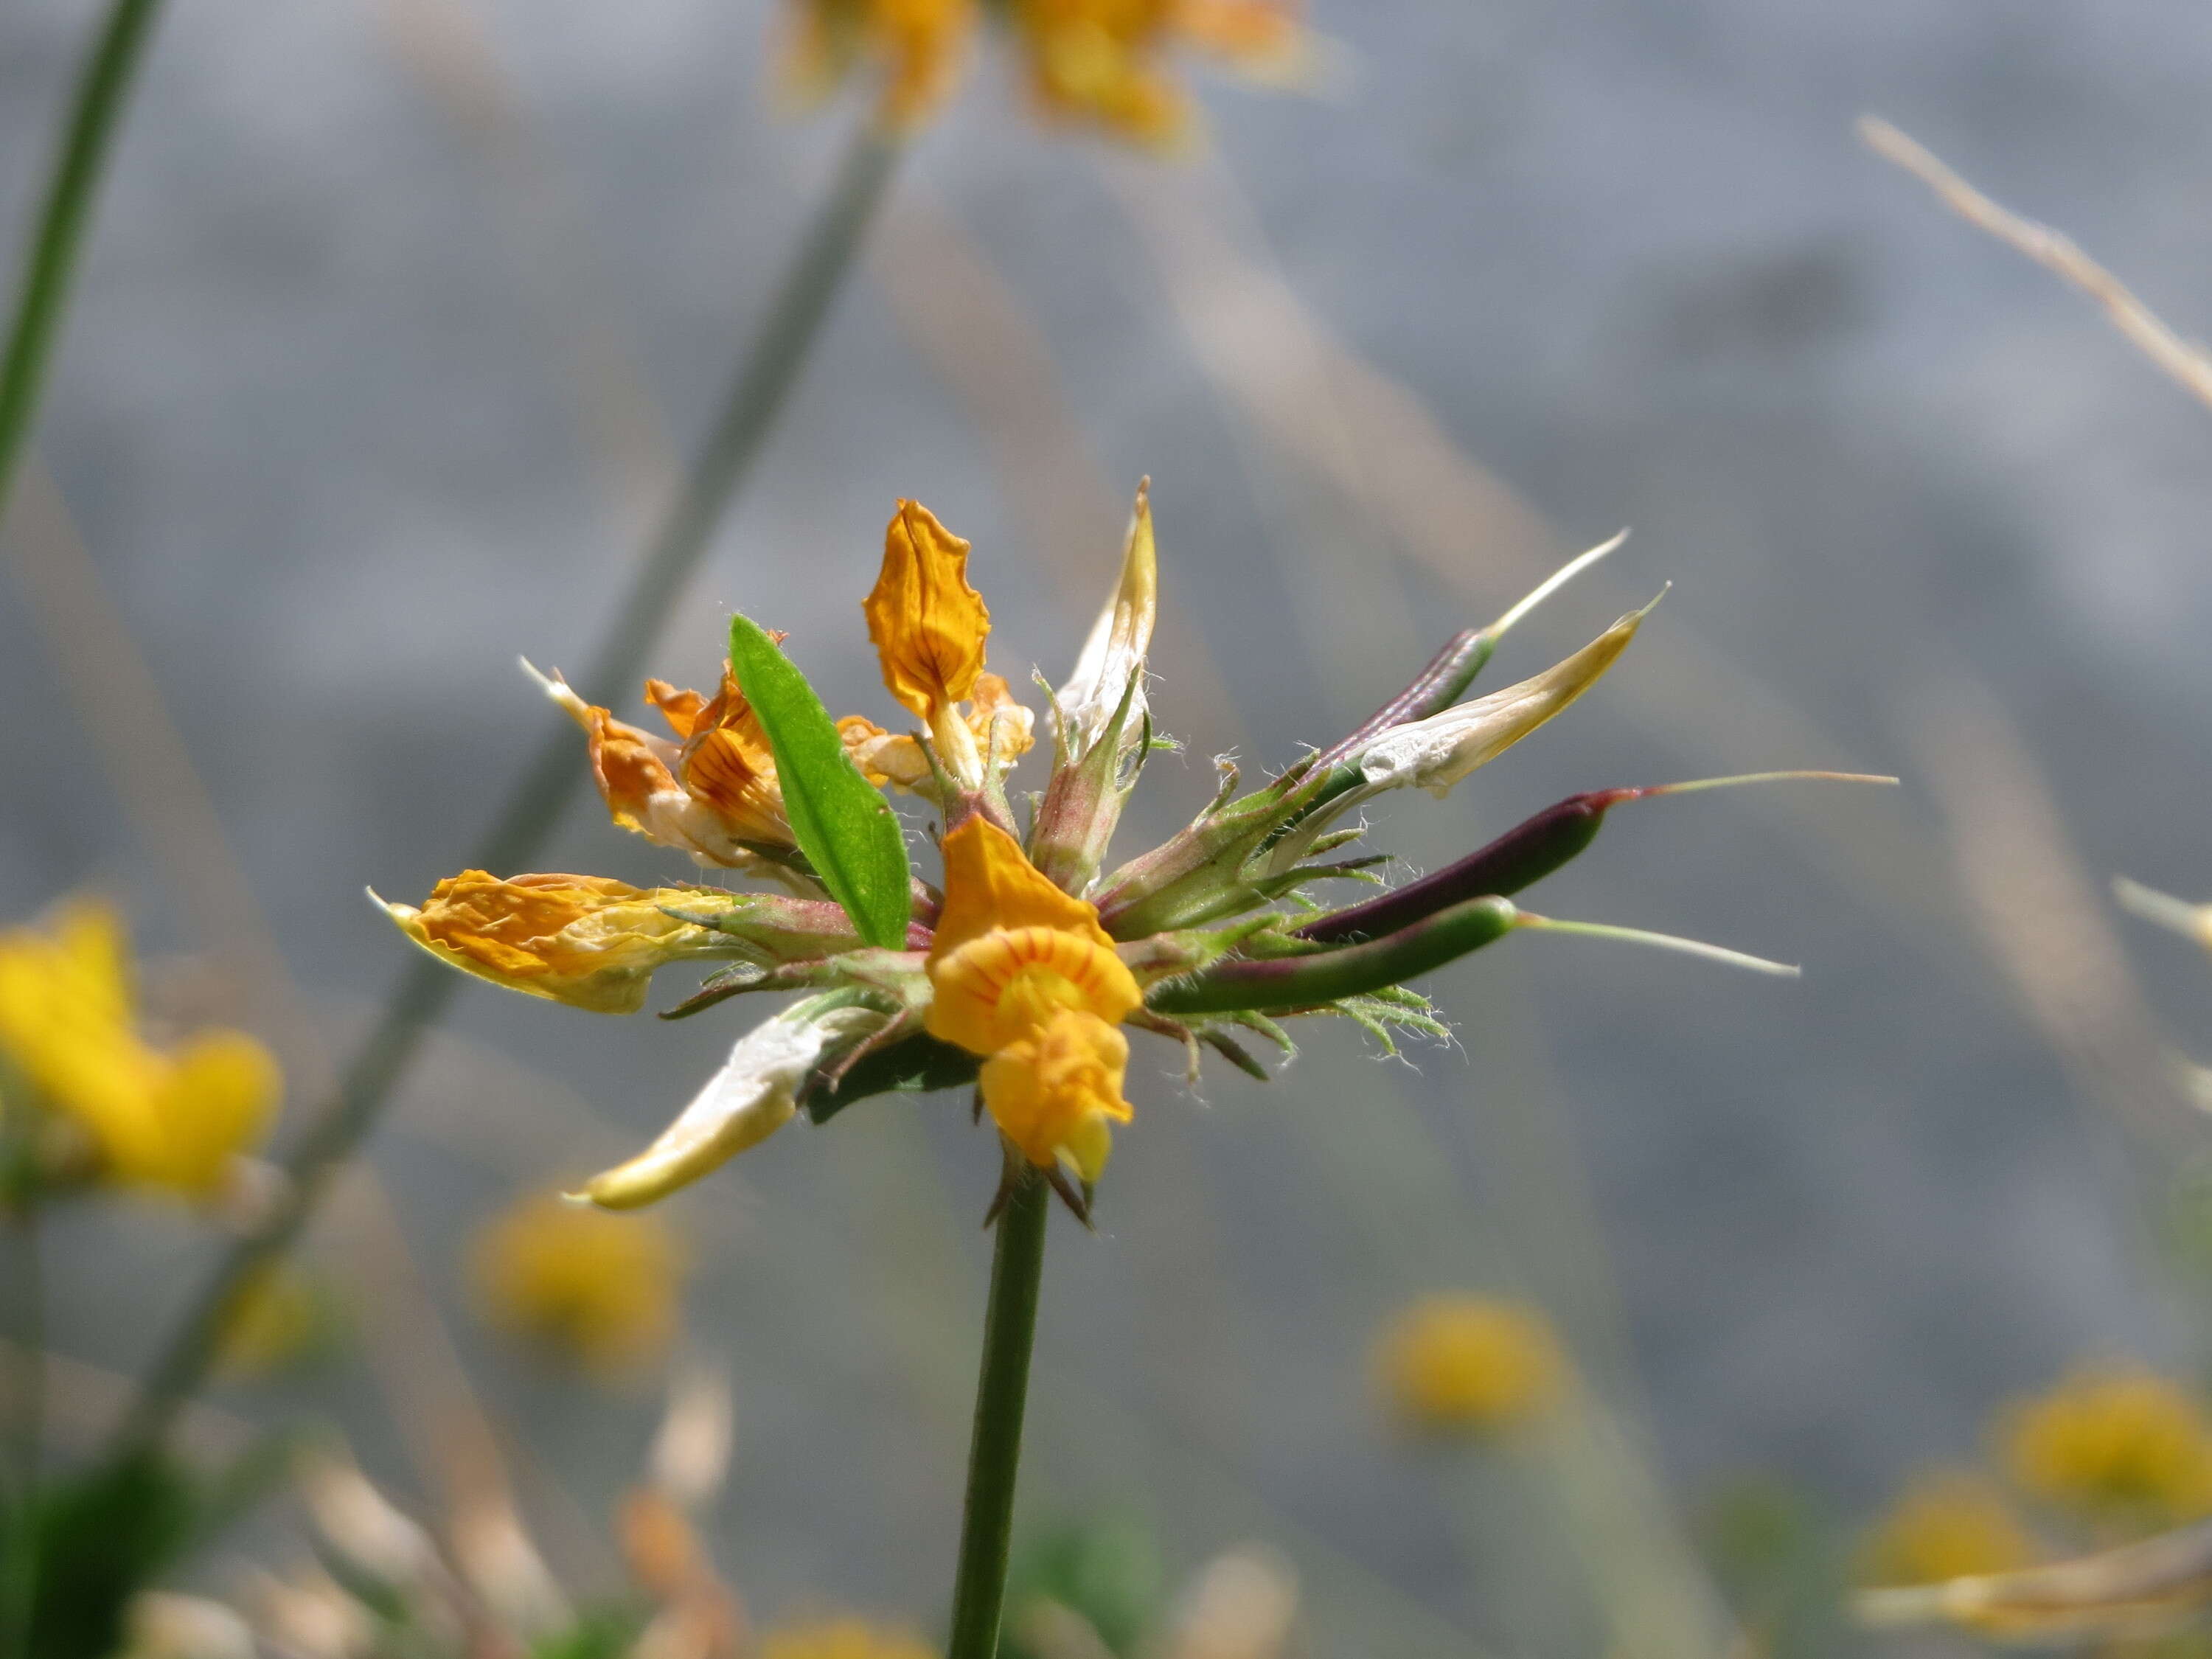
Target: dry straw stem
{"x":2039,"y":913}
{"x":2184,"y":361}
{"x":2122,"y":1591}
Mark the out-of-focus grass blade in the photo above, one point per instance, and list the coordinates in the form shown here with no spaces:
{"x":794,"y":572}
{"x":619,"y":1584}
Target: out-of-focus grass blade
{"x":845,"y":827}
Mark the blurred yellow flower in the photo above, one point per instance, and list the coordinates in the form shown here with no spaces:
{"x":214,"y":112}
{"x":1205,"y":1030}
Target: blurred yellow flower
{"x":1468,"y":1364}
{"x":584,"y":1285}
{"x":280,"y":1318}
{"x":1103,"y":61}
{"x":2115,"y":1441}
{"x":917,"y":44}
{"x":68,"y":1031}
{"x":1947,"y":1525}
{"x":843,"y":1637}
{"x":1023,"y":974}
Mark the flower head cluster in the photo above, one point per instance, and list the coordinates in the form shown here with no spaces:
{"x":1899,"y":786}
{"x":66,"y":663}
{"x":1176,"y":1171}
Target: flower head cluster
{"x":1948,"y":1523}
{"x":1469,"y":1364}
{"x":1025,"y":970}
{"x":85,"y":1095}
{"x":1101,"y":61}
{"x":588,"y":1288}
{"x":2115,"y":1442}
{"x":2117,"y":1459}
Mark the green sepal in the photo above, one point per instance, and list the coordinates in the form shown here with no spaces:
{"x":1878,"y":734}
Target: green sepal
{"x":843,"y":823}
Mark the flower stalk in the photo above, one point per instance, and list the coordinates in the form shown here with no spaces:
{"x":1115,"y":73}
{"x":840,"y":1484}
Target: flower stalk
{"x":979,"y":1584}
{"x":764,"y":379}
{"x":103,"y":92}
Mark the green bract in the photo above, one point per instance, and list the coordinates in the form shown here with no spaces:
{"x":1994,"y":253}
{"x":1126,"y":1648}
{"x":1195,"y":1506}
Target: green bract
{"x":847,"y":829}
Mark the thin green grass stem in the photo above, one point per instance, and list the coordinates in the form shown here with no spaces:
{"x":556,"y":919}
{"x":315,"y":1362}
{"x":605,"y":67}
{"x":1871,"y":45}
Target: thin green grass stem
{"x":426,"y":987}
{"x":96,"y":111}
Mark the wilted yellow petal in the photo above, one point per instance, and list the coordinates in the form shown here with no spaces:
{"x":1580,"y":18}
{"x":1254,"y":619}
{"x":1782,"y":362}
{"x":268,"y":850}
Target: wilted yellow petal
{"x":928,"y":625}
{"x":584,"y":940}
{"x":1003,"y":728}
{"x":714,"y":794}
{"x":1056,"y":1096}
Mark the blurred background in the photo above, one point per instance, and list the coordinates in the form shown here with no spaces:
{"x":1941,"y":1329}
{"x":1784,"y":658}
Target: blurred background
{"x":402,"y":314}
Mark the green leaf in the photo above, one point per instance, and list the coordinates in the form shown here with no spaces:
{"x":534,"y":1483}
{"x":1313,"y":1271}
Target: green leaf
{"x":919,"y":1065}
{"x":845,"y":827}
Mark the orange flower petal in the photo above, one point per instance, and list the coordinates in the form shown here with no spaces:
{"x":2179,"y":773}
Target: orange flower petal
{"x":928,"y":625}
{"x":990,"y":883}
{"x":1006,"y":984}
{"x":1057,"y":1095}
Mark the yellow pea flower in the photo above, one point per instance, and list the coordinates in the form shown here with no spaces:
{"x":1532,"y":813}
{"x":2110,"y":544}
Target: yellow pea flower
{"x":1022,"y":974}
{"x":2117,"y":1440}
{"x":1096,"y":60}
{"x":154,"y":1118}
{"x":1948,"y":1523}
{"x":1450,"y":1364}
{"x":1105,"y":60}
{"x":583,"y":1285}
{"x":918,"y":45}
{"x":589,"y":941}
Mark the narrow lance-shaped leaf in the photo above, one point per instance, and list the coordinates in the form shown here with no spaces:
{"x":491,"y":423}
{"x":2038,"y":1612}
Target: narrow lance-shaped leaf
{"x":843,"y":823}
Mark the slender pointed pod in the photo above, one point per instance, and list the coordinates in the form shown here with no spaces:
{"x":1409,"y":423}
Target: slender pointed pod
{"x":1688,"y":947}
{"x":1353,"y":970}
{"x":1522,"y":856}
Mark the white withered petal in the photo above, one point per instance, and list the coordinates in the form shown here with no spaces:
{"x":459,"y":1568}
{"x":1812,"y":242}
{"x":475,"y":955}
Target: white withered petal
{"x":1118,"y":640}
{"x":1436,"y":753}
{"x":752,"y":1096}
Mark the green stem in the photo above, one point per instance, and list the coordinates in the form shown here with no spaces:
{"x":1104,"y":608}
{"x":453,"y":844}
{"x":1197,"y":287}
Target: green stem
{"x":978,"y":1582}
{"x":96,"y":111}
{"x":26,"y":1429}
{"x":426,"y":987}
